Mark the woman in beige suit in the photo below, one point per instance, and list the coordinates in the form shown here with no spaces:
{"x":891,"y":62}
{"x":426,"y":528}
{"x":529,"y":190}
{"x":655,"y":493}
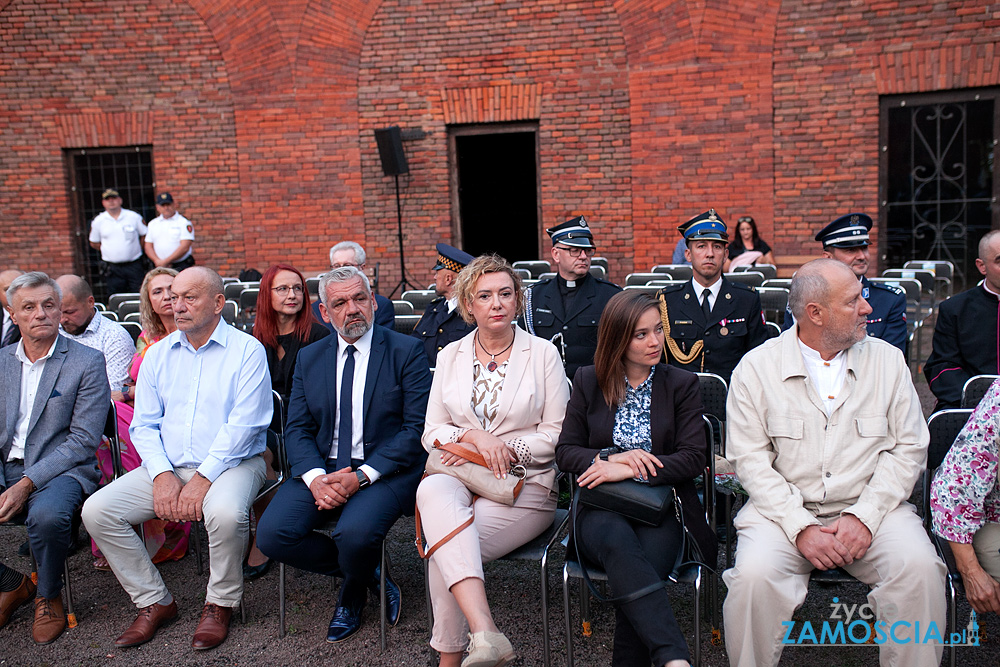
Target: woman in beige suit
{"x":502,"y":392}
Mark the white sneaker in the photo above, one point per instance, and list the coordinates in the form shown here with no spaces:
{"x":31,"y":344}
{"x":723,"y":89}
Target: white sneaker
{"x":488,"y":649}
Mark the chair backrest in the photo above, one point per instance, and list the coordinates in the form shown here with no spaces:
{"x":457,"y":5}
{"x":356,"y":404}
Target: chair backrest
{"x":545,"y":276}
{"x":277,"y":414}
{"x":312,"y":286}
{"x":975,"y":388}
{"x":648,"y":289}
{"x":785,"y":283}
{"x":642,"y":278}
{"x":231,"y":311}
{"x":599,"y":272}
{"x":133,"y":329}
{"x":418,"y":298}
{"x":769,"y":271}
{"x":404,"y":323}
{"x":910,"y":286}
{"x":534,"y":266}
{"x":110,"y":314}
{"x":924,"y":277}
{"x":114,"y":443}
{"x":248,"y":299}
{"x":944,"y":273}
{"x":751,"y":278}
{"x":773,"y":301}
{"x":677,"y":271}
{"x":524,"y":274}
{"x":126,"y":307}
{"x":713,"y":395}
{"x":400,"y":307}
{"x":944,"y":426}
{"x":233,"y":290}
{"x":666,"y":283}
{"x":601,"y":261}
{"x":773,"y":329}
{"x":116,"y":299}
{"x":133,"y":317}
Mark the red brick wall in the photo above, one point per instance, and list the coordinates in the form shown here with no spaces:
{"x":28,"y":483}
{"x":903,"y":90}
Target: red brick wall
{"x":261,"y":112}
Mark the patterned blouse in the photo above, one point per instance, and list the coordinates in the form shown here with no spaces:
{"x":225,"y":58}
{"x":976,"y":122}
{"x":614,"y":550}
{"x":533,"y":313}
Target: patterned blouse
{"x":632,"y":430}
{"x":965,"y":494}
{"x":487,"y":388}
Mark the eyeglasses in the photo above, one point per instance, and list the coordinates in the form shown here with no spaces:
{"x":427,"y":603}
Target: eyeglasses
{"x":576,"y":252}
{"x":343,"y":264}
{"x":282,"y":290}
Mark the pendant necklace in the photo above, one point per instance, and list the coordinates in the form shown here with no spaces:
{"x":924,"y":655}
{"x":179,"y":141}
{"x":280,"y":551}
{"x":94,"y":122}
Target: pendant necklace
{"x":492,"y":366}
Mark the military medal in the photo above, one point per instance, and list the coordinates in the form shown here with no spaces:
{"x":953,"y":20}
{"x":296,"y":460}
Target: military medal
{"x":723,"y":331}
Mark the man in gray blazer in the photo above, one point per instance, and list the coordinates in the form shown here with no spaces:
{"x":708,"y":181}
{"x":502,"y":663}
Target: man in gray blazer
{"x":52,"y":414}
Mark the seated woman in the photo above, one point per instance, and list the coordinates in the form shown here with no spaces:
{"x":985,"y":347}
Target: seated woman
{"x":965,"y":503}
{"x":748,"y":246}
{"x":631,"y":417}
{"x":165,"y":540}
{"x":503,"y":393}
{"x":284,"y":324}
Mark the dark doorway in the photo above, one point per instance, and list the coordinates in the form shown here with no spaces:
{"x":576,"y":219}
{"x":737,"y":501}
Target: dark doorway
{"x":496,"y":179}
{"x":93,"y":170}
{"x":938,"y":180}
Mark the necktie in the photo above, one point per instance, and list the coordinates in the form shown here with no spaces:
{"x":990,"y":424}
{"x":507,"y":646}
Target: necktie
{"x":8,"y":338}
{"x":705,"y":306}
{"x":345,"y":437}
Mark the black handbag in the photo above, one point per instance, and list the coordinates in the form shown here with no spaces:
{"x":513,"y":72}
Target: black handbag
{"x":640,"y":502}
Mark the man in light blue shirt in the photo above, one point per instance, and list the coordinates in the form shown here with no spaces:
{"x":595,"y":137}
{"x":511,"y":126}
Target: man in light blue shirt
{"x":202,"y":407}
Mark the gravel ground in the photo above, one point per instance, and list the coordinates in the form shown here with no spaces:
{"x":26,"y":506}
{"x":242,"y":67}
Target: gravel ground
{"x":104,"y":611}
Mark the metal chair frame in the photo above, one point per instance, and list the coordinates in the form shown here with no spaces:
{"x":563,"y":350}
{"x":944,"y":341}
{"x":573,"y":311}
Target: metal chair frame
{"x":975,"y":388}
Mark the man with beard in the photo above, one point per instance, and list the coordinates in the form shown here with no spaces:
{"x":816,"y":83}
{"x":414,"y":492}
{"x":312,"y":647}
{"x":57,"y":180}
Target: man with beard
{"x":709,"y":322}
{"x":82,"y":322}
{"x":353,"y":443}
{"x":566,"y":309}
{"x":826,"y":434}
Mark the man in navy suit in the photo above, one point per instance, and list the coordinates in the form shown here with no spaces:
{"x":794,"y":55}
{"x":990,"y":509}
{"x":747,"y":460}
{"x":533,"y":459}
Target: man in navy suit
{"x":51,"y":418}
{"x":349,"y":253}
{"x":354,"y":459}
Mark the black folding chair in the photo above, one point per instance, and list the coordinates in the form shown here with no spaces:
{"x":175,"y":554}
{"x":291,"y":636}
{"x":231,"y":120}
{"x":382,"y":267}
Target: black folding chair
{"x":975,"y":388}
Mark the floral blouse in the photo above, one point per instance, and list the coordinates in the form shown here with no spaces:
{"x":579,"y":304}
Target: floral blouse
{"x":632,"y":429}
{"x":965,"y":494}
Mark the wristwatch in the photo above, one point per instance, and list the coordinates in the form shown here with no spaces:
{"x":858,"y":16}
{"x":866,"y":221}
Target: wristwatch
{"x":125,"y":390}
{"x":363,"y":480}
{"x":606,"y":452}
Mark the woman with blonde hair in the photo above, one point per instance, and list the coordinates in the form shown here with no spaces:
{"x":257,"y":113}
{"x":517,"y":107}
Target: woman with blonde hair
{"x":501,"y":392}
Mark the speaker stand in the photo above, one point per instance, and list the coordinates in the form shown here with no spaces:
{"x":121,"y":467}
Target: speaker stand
{"x":403,"y":282}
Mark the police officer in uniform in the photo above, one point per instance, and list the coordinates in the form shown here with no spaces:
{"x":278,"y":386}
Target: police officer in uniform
{"x":846,"y":240}
{"x":566,"y":309}
{"x":442,"y":323}
{"x":709,"y":323}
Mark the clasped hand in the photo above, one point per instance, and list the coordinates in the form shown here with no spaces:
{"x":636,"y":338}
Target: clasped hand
{"x":333,"y":489}
{"x":175,"y":501}
{"x":619,"y":467}
{"x":841,"y":543}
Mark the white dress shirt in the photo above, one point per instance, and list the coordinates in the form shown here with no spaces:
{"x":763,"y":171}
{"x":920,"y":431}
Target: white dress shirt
{"x":827,"y":377}
{"x":714,"y":288}
{"x":31,"y":374}
{"x":363,"y":346}
{"x":167,"y":233}
{"x":111,"y":339}
{"x":207,"y":408}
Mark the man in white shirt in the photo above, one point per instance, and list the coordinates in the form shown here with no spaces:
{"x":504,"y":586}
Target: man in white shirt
{"x":202,"y":407}
{"x":82,"y":322}
{"x":118,"y":233}
{"x":10,"y":333}
{"x":170,"y":236}
{"x":826,"y":434}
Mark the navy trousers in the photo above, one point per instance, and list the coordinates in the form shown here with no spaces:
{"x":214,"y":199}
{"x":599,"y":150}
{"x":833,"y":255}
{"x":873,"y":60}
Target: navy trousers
{"x":49,"y":518}
{"x":286,"y":533}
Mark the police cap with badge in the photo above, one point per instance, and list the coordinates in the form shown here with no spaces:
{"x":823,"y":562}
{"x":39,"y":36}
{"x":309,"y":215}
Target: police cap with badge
{"x":574,"y":233}
{"x":439,"y":325}
{"x":847,"y":231}
{"x":451,"y":258}
{"x":705,"y":227}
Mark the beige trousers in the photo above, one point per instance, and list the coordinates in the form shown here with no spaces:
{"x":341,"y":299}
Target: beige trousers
{"x":111,"y":512}
{"x":770,"y":579}
{"x":445,"y":503}
{"x":987,"y":545}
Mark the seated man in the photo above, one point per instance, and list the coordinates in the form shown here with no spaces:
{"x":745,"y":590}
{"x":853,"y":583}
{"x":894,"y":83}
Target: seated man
{"x":442,"y":322}
{"x":51,"y":419}
{"x":349,"y":253}
{"x":827,"y":437}
{"x":82,"y":322}
{"x":353,"y":440}
{"x":965,"y":504}
{"x":202,"y":407}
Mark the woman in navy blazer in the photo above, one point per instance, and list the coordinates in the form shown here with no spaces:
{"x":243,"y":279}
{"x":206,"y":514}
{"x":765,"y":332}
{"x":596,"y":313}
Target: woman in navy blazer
{"x":631,"y":417}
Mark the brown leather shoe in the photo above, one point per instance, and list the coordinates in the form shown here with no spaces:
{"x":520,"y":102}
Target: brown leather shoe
{"x":50,"y":620}
{"x":213,"y":628}
{"x":144,"y":626}
{"x":11,"y":600}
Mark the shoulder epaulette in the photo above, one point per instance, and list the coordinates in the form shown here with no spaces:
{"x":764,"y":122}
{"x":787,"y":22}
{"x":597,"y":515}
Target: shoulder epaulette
{"x":895,"y":289}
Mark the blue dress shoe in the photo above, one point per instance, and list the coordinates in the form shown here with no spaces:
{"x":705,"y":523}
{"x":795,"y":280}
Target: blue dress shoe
{"x":393,"y":596}
{"x":345,"y":622}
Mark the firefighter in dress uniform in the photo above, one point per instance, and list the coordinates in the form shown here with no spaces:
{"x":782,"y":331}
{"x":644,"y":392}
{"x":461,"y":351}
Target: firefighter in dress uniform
{"x":709,"y":323}
{"x":566,"y":309}
{"x":441,"y":323}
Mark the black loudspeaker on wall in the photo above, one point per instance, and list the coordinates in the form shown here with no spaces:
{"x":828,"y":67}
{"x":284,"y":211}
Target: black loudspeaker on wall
{"x":390,"y":151}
